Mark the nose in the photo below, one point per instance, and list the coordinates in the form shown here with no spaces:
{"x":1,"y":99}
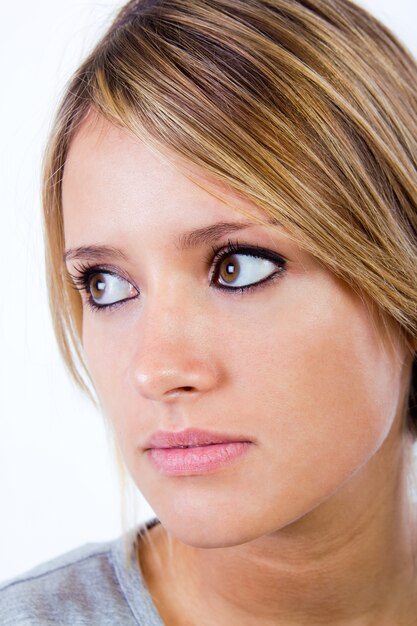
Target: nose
{"x":173,"y":356}
{"x":176,"y":378}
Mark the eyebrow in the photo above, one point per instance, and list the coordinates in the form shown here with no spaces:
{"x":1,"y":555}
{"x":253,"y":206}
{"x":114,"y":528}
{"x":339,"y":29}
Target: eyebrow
{"x":209,"y":234}
{"x":190,"y":239}
{"x":95,"y":252}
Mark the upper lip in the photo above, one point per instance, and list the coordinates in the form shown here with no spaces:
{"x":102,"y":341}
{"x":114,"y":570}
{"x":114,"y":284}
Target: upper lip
{"x":188,"y":437}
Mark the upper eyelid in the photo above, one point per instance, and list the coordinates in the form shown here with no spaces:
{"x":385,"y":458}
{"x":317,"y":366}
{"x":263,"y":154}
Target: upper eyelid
{"x":84,"y":271}
{"x":237,"y":247}
{"x":242,"y":248}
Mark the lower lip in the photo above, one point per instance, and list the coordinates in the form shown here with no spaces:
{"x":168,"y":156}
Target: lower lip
{"x":197,"y":460}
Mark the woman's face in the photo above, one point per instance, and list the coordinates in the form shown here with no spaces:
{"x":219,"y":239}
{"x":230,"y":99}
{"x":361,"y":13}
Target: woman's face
{"x":295,"y":365}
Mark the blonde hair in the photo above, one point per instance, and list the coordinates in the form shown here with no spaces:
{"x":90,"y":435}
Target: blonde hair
{"x":308,"y":108}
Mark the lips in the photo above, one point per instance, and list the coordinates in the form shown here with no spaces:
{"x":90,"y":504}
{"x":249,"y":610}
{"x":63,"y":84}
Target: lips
{"x":191,"y":437}
{"x":197,"y":460}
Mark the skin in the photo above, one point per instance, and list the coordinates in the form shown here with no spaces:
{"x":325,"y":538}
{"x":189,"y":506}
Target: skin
{"x":314,"y":525}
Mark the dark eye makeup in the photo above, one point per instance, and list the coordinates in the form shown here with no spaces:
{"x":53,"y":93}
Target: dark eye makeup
{"x":86,"y":278}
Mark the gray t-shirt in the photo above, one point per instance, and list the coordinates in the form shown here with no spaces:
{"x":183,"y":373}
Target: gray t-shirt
{"x":90,"y":585}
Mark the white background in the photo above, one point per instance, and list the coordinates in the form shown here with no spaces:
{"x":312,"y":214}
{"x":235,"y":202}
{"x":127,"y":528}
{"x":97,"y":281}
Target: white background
{"x":58,"y":482}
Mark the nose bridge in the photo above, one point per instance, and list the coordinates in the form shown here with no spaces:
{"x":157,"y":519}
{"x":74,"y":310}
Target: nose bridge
{"x":171,"y":310}
{"x":172,"y":357}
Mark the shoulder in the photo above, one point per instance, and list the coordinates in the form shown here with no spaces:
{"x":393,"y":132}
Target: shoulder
{"x":76,"y":588}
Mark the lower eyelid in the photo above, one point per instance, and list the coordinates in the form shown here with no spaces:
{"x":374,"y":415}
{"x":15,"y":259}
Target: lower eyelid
{"x":253,"y":286}
{"x":106,"y":307}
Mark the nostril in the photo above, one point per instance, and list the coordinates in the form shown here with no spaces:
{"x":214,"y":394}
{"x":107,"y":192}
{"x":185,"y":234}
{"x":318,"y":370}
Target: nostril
{"x":179,"y":391}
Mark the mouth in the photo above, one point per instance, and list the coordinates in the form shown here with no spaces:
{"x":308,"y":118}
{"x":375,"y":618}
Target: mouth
{"x":193,"y":451}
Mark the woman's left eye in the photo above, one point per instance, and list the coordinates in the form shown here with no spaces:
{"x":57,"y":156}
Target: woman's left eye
{"x":241,"y":268}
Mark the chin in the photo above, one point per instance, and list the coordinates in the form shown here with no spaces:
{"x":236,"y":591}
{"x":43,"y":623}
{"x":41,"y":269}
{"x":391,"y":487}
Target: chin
{"x":211,"y":533}
{"x":216,"y":529}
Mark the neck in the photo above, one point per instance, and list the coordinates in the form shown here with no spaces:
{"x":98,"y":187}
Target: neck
{"x":350,"y":561}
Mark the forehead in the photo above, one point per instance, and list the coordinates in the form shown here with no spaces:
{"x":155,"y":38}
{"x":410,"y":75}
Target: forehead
{"x":116,"y":186}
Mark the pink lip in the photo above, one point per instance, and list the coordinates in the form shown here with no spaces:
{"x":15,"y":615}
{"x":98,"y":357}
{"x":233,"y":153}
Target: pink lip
{"x":208,"y":452}
{"x":196,"y":460}
{"x":188,"y":437}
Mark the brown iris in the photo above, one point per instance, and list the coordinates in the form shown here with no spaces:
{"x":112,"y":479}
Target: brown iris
{"x":98,"y":286}
{"x":229,"y":270}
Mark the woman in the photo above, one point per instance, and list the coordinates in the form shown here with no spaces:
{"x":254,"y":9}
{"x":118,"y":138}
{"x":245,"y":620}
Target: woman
{"x":230,"y":186}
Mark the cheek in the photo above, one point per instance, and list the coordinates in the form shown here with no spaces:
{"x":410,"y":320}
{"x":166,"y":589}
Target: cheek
{"x":321,"y":383}
{"x":106,"y":353}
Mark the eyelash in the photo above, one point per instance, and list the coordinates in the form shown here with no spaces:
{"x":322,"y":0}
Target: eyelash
{"x":81,"y":280}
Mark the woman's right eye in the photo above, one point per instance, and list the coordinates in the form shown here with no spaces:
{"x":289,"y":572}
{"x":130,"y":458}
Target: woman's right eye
{"x":106,"y":289}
